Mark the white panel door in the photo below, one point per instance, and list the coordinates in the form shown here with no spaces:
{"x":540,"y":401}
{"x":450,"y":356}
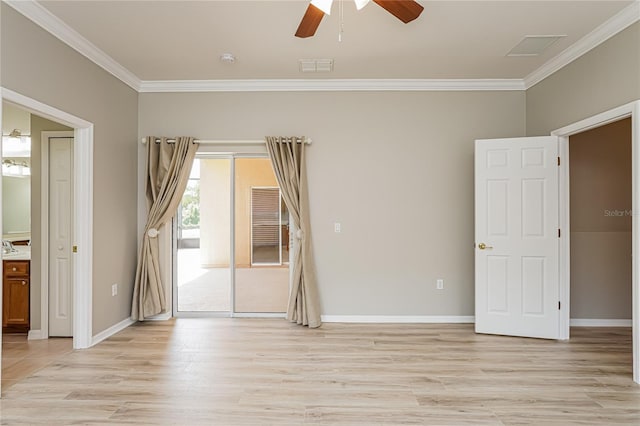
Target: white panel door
{"x":60,"y":237}
{"x":517,"y":237}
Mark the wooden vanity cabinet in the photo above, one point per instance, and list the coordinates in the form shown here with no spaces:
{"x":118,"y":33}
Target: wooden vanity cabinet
{"x":15,"y":296}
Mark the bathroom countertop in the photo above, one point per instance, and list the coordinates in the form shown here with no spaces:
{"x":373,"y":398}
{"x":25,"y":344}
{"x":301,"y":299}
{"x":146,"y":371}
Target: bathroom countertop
{"x":21,"y":253}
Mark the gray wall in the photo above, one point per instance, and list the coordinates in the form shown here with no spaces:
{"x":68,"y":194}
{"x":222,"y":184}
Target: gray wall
{"x":600,"y":168}
{"x":396,"y":169}
{"x":37,"y":65}
{"x":604,"y":78}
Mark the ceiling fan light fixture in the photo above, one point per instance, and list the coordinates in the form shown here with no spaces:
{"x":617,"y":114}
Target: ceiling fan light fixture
{"x":323,"y":5}
{"x":361,"y":3}
{"x":404,"y":10}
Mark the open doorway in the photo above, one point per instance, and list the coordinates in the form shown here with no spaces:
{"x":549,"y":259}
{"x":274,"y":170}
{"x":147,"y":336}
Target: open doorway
{"x":31,"y":197}
{"x":82,"y":223}
{"x":600,"y":170}
{"x":33,"y":307}
{"x":632,"y":111}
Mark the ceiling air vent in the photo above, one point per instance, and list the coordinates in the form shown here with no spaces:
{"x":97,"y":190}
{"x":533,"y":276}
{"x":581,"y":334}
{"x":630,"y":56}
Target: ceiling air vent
{"x":316,"y":65}
{"x":534,"y":45}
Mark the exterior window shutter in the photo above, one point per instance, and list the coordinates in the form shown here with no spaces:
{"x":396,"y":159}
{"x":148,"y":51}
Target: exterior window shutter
{"x":265,"y":206}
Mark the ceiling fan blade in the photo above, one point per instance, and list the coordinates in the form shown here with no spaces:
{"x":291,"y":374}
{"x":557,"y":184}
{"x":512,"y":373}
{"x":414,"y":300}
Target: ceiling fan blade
{"x":404,"y":10}
{"x":310,"y":22}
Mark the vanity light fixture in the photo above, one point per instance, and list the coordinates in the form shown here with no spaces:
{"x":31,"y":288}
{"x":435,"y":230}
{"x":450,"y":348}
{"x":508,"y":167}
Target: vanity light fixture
{"x":15,"y":144}
{"x":15,"y":168}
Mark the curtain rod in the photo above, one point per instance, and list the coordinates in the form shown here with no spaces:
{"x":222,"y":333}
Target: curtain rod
{"x":225,"y":142}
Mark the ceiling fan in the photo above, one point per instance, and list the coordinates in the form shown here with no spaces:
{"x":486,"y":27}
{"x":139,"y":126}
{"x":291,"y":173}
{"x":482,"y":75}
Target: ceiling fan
{"x":404,"y":10}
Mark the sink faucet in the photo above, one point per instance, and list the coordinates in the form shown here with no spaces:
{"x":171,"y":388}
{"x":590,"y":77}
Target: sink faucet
{"x":7,"y":246}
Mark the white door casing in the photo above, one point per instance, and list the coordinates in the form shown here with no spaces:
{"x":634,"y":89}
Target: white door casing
{"x":517,"y":237}
{"x":60,"y":237}
{"x":632,"y":110}
{"x":83,"y":214}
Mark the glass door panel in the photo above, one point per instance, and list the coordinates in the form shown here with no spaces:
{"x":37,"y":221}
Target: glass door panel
{"x":261,"y":276}
{"x":204,"y":239}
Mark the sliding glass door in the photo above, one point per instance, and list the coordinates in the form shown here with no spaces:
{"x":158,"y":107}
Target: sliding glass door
{"x":231,"y":240}
{"x":203,"y":239}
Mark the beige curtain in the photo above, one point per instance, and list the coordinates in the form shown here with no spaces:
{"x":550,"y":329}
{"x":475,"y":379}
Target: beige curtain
{"x":167,"y":173}
{"x":288,"y":160}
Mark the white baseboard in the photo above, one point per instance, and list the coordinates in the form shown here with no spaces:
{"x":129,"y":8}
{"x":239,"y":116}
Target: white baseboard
{"x":588,"y":322}
{"x":111,"y":331}
{"x":36,"y":335}
{"x":401,"y":319}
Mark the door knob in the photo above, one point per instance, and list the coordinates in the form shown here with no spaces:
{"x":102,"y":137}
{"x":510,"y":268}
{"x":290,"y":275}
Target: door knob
{"x":483,"y":246}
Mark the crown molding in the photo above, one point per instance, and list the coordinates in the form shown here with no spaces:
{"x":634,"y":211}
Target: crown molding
{"x":331,"y":85}
{"x":619,"y":22}
{"x":54,"y":25}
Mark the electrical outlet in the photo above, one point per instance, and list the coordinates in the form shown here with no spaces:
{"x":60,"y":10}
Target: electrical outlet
{"x":439,"y":284}
{"x":114,"y":289}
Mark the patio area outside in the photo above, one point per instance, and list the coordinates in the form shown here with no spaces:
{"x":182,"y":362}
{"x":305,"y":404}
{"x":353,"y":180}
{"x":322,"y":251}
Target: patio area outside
{"x":259,"y":289}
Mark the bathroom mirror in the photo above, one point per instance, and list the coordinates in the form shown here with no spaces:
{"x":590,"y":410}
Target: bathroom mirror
{"x":16,"y":174}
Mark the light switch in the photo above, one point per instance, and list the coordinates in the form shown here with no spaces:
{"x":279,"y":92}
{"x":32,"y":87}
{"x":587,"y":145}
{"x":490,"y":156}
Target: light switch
{"x":336,"y":227}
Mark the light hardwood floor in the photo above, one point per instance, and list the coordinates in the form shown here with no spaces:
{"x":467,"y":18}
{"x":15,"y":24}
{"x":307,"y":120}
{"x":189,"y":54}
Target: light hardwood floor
{"x":21,"y":358}
{"x":224,"y":371}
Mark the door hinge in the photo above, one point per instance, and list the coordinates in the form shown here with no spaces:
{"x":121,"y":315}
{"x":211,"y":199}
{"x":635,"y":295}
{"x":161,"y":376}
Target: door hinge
{"x":558,"y":232}
{"x":75,"y":249}
{"x":558,"y":305}
{"x":558,"y":161}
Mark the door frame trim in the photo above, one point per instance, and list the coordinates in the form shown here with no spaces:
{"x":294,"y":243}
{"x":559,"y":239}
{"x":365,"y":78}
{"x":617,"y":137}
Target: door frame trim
{"x":632,"y":110}
{"x":83,"y":209}
{"x":44,"y":227}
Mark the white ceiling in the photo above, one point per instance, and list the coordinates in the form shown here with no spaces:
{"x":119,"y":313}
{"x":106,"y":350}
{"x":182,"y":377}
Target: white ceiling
{"x":182,"y":40}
